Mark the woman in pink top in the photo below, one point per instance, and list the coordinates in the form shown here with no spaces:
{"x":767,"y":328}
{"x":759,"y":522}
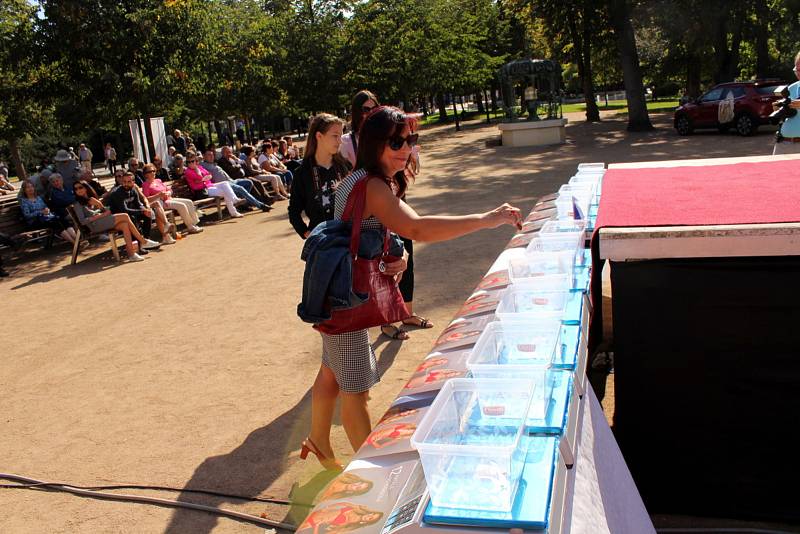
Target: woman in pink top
{"x":198,"y":179}
{"x":157,"y":192}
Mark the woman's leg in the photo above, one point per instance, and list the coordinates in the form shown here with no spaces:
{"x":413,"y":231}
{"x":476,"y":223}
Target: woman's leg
{"x":185,"y":209}
{"x":161,"y":219}
{"x":277,"y":185}
{"x":122,"y":226}
{"x":323,"y":401}
{"x":126,"y":220}
{"x":355,"y":417}
{"x":224,"y":190}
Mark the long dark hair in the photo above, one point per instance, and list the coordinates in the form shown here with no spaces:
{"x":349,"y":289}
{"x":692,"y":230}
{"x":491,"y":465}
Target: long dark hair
{"x":379,"y":126}
{"x":356,"y":115}
{"x":90,"y":192}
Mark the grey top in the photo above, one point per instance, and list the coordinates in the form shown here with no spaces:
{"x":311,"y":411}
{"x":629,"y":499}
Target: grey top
{"x":343,"y":191}
{"x":217,"y":174}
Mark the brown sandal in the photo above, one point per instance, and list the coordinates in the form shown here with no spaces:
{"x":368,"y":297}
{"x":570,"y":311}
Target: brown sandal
{"x":396,"y":333}
{"x":423,"y":322}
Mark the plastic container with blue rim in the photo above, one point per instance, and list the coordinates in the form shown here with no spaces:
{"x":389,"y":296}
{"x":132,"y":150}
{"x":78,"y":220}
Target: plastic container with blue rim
{"x":469,"y":443}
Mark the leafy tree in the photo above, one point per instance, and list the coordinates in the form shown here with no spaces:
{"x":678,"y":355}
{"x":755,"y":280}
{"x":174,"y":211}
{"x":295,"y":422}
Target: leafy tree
{"x":27,"y":82}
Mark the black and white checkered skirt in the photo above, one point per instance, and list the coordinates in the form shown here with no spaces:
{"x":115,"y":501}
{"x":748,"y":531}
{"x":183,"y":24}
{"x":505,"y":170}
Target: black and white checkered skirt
{"x":352,"y":360}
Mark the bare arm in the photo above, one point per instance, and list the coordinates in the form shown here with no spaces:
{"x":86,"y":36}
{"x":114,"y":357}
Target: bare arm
{"x":400,"y":218}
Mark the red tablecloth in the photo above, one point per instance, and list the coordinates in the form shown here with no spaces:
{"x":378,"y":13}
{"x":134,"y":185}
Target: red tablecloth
{"x":739,"y":193}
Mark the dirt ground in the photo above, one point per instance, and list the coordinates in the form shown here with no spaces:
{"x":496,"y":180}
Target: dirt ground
{"x":192,"y":370}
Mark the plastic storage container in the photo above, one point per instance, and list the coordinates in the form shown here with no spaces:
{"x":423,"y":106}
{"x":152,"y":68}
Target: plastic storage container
{"x":519,"y":350}
{"x":572,"y":196}
{"x":469,"y":442}
{"x":550,"y":270}
{"x":561,"y":235}
{"x":521,"y":302}
{"x":593,"y":165}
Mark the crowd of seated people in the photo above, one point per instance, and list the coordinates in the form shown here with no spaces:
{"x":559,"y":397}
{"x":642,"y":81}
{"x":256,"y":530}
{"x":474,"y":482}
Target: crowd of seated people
{"x":251,"y":175}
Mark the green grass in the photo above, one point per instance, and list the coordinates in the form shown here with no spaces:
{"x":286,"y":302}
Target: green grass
{"x":622,"y":106}
{"x":661,"y":106}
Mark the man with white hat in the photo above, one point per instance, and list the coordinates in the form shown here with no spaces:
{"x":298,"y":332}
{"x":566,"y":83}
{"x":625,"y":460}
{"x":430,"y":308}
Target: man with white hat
{"x":67,"y":167}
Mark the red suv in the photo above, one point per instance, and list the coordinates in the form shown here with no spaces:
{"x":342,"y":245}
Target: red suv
{"x":752,"y":104}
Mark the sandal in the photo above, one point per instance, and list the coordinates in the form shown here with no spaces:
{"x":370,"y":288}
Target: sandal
{"x":419,"y":322}
{"x":394,"y":332}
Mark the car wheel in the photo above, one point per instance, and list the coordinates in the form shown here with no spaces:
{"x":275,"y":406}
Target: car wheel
{"x":683,"y":125}
{"x":745,"y":125}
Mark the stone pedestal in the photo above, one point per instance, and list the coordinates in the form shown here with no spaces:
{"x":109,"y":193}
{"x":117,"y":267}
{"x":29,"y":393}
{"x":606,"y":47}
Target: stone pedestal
{"x":533,"y":133}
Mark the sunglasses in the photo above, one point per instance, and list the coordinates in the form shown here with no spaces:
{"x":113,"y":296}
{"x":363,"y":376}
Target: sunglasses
{"x":367,"y":109}
{"x":396,"y":142}
{"x":191,"y":161}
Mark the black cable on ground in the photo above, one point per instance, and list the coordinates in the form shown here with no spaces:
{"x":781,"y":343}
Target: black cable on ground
{"x":269,"y":500}
{"x":33,"y":484}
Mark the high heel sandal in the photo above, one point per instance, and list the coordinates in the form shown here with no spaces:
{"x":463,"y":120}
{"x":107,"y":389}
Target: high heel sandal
{"x":327,"y":463}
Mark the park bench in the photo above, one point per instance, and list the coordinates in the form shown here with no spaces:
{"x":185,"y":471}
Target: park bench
{"x":12,"y":223}
{"x":181,"y":189}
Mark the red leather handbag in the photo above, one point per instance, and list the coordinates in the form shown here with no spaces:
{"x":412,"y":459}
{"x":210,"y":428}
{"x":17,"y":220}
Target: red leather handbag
{"x":385,"y":302}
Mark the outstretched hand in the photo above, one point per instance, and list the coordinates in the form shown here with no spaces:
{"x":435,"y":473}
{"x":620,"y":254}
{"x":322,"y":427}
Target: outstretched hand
{"x":505,"y":214}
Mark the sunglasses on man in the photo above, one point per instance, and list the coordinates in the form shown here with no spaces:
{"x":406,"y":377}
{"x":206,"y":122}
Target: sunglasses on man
{"x":396,"y":142}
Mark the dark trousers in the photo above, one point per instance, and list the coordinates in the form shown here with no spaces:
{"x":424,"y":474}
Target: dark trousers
{"x":143,"y":223}
{"x":407,"y":281}
{"x":5,"y":240}
{"x":55,"y":224}
{"x":112,"y":165}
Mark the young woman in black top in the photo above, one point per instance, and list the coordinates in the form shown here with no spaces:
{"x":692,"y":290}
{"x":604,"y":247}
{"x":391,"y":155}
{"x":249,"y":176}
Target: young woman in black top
{"x":316,"y":179}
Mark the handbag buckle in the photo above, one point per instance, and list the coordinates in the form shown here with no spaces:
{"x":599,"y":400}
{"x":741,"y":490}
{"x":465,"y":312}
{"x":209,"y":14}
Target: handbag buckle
{"x":382,"y":266}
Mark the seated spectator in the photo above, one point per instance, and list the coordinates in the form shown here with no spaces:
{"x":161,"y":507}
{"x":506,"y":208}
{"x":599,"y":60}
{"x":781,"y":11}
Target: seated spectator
{"x":4,"y":169}
{"x":270,"y":163}
{"x":37,"y":215}
{"x":283,"y":154}
{"x":178,"y":169}
{"x":241,"y":187}
{"x":233,"y":168}
{"x":129,"y":199}
{"x":138,"y":176}
{"x":254,"y":171}
{"x":88,"y":176}
{"x":157,"y":192}
{"x":41,"y":182}
{"x":5,"y":185}
{"x":161,"y":173}
{"x":93,"y":214}
{"x":68,"y":168}
{"x":171,"y":156}
{"x":59,"y":197}
{"x":179,"y":142}
{"x":291,"y":150}
{"x":199,"y":181}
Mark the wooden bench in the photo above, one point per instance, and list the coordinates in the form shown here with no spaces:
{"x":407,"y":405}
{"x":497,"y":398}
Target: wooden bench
{"x":83,"y":233}
{"x":12,"y":223}
{"x":180,"y":189}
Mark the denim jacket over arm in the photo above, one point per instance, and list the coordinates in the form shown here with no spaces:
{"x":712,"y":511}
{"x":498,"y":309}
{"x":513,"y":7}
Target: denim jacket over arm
{"x":328,"y":276}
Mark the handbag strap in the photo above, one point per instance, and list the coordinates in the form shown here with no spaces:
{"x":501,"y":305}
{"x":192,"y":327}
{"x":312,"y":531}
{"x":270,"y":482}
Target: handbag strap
{"x":354,"y":212}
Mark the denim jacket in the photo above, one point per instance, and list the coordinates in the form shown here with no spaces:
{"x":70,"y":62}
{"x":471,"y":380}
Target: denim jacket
{"x":328,"y":276}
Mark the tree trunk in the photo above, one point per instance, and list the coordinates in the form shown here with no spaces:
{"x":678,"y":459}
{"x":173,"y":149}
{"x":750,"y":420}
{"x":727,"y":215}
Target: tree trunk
{"x":638,"y":118}
{"x":692,"y":75}
{"x":582,"y":50}
{"x":761,"y":38}
{"x":455,"y":114}
{"x":248,"y":137}
{"x":16,"y":159}
{"x":727,"y":60}
{"x":442,"y":107}
{"x":210,"y":134}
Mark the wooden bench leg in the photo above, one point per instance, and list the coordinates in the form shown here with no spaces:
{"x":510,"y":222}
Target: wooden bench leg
{"x":219,"y":209}
{"x":112,"y":238}
{"x":76,"y":246}
{"x":171,"y":219}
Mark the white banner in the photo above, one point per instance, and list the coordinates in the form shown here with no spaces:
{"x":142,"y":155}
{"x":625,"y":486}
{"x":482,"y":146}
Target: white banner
{"x":159,"y":138}
{"x":136,"y":139}
{"x":146,"y":147}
